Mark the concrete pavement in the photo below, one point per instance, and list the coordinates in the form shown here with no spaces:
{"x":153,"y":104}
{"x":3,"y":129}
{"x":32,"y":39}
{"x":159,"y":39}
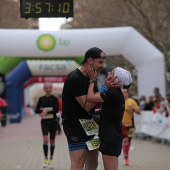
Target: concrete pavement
{"x":21,"y":148}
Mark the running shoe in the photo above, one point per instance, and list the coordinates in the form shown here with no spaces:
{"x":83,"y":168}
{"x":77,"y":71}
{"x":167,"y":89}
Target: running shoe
{"x":126,"y":161}
{"x":51,"y":166}
{"x":45,"y":163}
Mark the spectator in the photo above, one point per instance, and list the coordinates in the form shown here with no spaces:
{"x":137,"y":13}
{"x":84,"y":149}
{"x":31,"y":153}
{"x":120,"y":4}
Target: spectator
{"x":142,"y":102}
{"x":160,"y":105}
{"x":150,"y":104}
{"x":157,"y":93}
{"x":163,"y":104}
{"x":168,"y":103}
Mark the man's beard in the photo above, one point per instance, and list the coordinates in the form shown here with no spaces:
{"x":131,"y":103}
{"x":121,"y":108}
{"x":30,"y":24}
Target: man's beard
{"x":99,"y":70}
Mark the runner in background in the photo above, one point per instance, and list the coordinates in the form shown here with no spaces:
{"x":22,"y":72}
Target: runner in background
{"x":59,"y":129}
{"x":131,"y":107}
{"x":47,"y":107}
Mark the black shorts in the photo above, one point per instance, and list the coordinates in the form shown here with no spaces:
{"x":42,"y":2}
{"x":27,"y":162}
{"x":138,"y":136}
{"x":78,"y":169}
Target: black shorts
{"x":75,"y":134}
{"x":49,"y":126}
{"x":110,"y":149}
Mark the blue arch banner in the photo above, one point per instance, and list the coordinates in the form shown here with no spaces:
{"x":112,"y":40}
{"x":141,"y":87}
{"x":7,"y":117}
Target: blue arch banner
{"x":15,"y":81}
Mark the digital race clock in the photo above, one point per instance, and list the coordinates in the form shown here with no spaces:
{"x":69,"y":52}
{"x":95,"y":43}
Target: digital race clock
{"x":46,"y":8}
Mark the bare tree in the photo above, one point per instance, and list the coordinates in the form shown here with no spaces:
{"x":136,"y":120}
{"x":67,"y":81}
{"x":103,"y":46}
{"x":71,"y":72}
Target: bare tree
{"x":150,"y":17}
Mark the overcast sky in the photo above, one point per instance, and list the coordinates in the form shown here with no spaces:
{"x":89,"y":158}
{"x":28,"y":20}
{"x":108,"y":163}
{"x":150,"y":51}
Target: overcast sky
{"x":50,"y":23}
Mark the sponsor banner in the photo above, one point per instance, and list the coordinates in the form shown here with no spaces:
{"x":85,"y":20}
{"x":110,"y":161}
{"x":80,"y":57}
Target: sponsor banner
{"x":59,"y":79}
{"x":51,"y":67}
{"x":153,"y":124}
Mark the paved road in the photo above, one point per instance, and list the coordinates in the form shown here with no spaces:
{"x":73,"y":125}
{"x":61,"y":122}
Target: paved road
{"x":21,"y":148}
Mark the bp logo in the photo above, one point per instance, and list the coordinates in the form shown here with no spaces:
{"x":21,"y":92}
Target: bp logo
{"x":46,"y":42}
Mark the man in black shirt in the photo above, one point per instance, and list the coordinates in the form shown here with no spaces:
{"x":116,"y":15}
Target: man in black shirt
{"x":76,"y":107}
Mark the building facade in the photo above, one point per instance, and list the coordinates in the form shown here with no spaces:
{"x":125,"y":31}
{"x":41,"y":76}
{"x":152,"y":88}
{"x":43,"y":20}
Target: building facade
{"x":10,"y":16}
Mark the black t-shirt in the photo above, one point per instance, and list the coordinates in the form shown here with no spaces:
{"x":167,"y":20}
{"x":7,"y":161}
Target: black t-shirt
{"x":48,"y":102}
{"x":110,"y":125}
{"x":76,"y":84}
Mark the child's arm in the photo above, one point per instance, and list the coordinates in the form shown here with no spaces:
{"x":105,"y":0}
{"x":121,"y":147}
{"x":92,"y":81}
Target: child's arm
{"x":91,"y":96}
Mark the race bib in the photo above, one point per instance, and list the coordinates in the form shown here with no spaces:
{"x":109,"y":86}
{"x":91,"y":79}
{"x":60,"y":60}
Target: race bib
{"x":131,"y":132}
{"x":48,"y":116}
{"x":89,"y":126}
{"x":47,"y":108}
{"x":93,"y":143}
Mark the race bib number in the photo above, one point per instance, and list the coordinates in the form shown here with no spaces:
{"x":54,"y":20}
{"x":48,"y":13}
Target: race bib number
{"x":48,"y":116}
{"x":93,"y":143}
{"x":131,"y":132}
{"x":47,"y":108}
{"x":89,"y":126}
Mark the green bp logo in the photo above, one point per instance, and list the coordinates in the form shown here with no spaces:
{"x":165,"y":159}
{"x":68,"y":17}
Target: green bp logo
{"x":46,"y":42}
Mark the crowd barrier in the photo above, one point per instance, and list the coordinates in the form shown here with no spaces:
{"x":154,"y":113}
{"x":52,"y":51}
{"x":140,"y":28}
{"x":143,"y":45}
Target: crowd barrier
{"x":148,"y":123}
{"x":153,"y":124}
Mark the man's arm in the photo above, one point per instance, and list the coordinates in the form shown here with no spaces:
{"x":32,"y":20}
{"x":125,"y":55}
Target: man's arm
{"x":93,"y":97}
{"x":82,"y":100}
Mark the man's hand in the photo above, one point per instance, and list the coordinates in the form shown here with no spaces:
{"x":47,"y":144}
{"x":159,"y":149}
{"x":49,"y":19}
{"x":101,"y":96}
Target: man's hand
{"x":43,"y":113}
{"x":91,"y":73}
{"x":111,"y":83}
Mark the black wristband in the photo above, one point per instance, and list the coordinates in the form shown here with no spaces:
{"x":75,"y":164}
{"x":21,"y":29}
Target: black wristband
{"x":91,"y":81}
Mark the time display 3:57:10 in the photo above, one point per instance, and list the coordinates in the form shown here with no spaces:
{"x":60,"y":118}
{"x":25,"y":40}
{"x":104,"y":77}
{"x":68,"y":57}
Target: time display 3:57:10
{"x":46,"y":8}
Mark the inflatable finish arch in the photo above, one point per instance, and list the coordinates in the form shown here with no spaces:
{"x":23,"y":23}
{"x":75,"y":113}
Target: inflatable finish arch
{"x":147,"y":59}
{"x":126,"y":41}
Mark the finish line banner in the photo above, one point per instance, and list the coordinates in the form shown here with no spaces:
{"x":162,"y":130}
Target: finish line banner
{"x":153,"y":124}
{"x":51,"y":67}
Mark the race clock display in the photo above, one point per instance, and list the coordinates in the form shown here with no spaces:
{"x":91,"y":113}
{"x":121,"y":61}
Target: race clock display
{"x":46,"y":8}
